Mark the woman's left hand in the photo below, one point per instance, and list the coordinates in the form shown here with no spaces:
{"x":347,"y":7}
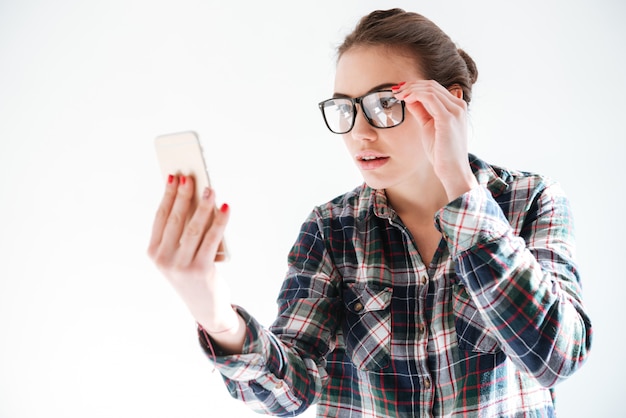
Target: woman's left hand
{"x":442,"y":115}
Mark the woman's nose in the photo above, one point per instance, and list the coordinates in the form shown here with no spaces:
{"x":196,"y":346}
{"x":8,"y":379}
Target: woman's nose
{"x":362,"y":130}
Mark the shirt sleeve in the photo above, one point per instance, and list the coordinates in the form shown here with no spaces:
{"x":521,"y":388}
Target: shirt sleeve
{"x":281,"y":370}
{"x":523,"y":280}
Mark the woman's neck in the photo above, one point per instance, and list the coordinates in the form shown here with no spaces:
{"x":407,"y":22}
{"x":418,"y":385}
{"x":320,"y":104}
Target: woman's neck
{"x":419,"y":199}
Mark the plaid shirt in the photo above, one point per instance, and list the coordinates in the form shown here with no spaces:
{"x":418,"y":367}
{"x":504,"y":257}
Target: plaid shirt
{"x":366,"y":329}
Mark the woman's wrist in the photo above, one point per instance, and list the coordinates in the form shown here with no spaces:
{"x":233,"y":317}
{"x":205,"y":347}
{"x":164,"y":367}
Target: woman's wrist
{"x":229,"y":337}
{"x":460,"y":185}
{"x":221,"y":323}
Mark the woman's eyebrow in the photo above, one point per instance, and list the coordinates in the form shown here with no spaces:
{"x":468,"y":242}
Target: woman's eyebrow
{"x":384,"y":86}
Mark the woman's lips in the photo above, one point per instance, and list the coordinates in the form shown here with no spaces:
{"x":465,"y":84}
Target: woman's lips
{"x":371,"y":162}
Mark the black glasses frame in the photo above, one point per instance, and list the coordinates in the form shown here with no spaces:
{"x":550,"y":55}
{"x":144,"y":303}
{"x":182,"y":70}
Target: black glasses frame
{"x":355,"y":101}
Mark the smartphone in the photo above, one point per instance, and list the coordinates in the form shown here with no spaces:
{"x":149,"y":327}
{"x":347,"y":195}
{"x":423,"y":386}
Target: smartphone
{"x":181,"y":154}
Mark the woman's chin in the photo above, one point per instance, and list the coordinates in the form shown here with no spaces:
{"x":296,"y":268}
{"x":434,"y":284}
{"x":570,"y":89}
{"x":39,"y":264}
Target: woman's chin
{"x":375,"y":183}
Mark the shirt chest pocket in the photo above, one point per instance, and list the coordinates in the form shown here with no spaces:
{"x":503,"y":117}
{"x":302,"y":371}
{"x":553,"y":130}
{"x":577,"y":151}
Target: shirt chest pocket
{"x":367,"y":325}
{"x":473,"y":333}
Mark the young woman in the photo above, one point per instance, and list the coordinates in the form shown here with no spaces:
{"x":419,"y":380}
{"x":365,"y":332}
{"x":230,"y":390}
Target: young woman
{"x":442,"y":286}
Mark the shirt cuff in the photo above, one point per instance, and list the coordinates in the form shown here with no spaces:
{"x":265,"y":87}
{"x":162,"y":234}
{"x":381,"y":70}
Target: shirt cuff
{"x":472,"y":218}
{"x":251,"y":363}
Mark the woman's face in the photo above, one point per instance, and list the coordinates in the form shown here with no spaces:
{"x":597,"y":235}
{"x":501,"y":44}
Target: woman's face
{"x":385,"y":157}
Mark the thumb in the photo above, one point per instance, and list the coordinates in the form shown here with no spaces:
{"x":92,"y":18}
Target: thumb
{"x":418,"y":111}
{"x":213,"y":247}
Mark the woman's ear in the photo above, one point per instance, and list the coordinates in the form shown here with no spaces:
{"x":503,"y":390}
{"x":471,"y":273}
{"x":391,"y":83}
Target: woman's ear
{"x":456,"y":90}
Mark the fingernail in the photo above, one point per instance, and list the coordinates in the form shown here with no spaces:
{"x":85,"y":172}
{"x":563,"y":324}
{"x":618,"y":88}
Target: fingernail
{"x":206,"y":193}
{"x":183,"y":179}
{"x":224,"y":208}
{"x":397,"y":86}
{"x":170,"y":179}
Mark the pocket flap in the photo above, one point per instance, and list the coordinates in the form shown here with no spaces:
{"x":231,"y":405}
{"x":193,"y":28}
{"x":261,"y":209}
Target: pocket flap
{"x":361,"y":298}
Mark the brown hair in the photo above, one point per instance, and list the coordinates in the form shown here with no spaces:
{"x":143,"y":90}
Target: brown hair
{"x":437,"y":57}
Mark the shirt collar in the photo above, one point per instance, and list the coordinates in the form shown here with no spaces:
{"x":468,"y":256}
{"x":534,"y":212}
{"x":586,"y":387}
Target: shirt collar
{"x":488,"y":176}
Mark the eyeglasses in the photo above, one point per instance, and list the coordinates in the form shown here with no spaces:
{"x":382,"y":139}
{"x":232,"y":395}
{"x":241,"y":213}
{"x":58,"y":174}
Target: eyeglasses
{"x":381,"y":109}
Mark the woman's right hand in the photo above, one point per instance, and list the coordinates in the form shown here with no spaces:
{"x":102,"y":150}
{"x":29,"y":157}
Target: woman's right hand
{"x":442,"y":116}
{"x":183,"y":247}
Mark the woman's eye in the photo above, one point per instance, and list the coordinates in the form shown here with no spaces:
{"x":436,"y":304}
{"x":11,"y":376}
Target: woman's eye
{"x":388,"y":102}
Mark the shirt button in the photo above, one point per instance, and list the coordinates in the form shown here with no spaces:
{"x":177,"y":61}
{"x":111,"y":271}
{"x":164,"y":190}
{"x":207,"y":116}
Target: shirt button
{"x":358,"y":306}
{"x":427,"y":383}
{"x":424,"y":280}
{"x":279,"y":385}
{"x":421,"y":329}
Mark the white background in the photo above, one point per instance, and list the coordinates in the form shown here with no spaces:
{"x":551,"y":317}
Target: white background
{"x":88,"y":328}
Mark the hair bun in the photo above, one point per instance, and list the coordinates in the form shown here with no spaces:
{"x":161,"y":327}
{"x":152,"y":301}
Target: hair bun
{"x":471,"y":65}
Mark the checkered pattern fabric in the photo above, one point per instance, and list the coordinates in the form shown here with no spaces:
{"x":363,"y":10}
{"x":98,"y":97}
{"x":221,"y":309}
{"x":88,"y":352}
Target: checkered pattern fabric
{"x":366,"y":329}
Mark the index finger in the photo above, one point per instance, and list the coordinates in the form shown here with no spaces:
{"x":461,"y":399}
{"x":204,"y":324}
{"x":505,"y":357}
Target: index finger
{"x":429,"y":99}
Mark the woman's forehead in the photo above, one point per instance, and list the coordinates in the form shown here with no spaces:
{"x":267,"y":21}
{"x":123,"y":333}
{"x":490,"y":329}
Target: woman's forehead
{"x":363,"y":67}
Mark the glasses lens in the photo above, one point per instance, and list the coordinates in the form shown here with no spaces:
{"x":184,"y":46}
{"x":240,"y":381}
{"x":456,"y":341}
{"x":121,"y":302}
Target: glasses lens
{"x":382,"y":109}
{"x":339,"y":115}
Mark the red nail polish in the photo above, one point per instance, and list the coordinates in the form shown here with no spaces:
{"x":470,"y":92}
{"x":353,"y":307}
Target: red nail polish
{"x":183,"y":179}
{"x":170,"y":179}
{"x":224,"y":208}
